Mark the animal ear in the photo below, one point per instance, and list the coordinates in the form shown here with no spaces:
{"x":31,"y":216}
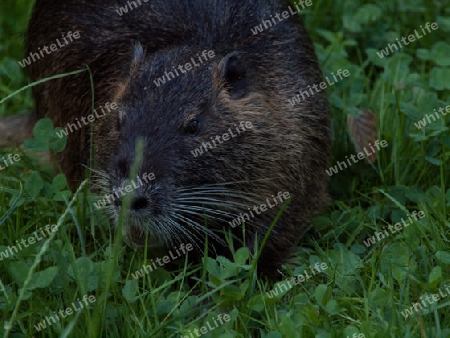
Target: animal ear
{"x":233,"y":71}
{"x":137,"y":55}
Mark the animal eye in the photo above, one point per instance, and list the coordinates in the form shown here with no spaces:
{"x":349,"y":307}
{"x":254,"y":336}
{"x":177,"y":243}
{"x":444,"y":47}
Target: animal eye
{"x":120,"y":120}
{"x":193,"y":128}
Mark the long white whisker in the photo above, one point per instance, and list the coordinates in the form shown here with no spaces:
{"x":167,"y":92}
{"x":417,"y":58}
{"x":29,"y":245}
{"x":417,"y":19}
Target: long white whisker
{"x":193,"y":225}
{"x":199,"y":228}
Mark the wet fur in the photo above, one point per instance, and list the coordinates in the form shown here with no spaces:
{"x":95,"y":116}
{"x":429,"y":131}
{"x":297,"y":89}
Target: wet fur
{"x":287,"y":149}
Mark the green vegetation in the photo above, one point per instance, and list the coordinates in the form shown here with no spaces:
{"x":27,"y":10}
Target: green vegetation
{"x":363,"y":290}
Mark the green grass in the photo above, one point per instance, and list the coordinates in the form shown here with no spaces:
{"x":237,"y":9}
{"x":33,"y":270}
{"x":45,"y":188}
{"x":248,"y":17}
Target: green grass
{"x":363,"y":289}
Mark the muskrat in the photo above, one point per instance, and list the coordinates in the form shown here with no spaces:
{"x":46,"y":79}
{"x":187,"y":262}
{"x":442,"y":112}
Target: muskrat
{"x":278,"y":151}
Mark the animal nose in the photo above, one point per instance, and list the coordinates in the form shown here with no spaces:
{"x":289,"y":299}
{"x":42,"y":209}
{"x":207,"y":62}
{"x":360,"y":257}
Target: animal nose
{"x":139,"y":203}
{"x":123,"y":166}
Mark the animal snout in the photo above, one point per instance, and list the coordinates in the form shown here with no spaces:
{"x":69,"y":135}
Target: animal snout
{"x":139,"y":203}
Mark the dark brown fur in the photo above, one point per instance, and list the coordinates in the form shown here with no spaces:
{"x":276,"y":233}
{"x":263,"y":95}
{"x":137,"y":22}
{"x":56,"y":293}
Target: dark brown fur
{"x":287,"y":149}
